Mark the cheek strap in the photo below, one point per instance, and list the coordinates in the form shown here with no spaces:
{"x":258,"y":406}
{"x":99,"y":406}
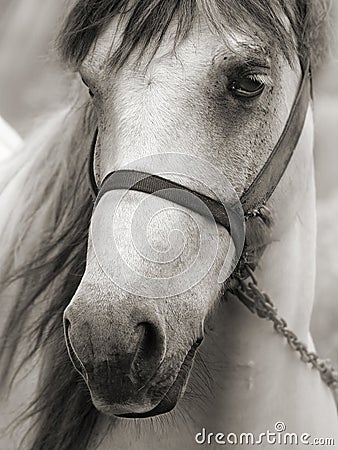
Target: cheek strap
{"x":263,"y":186}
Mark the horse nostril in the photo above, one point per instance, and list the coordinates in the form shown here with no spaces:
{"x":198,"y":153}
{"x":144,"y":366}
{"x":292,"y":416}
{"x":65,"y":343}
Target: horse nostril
{"x":72,"y":354}
{"x":66,"y":325}
{"x":150,"y":350}
{"x":148,"y":341}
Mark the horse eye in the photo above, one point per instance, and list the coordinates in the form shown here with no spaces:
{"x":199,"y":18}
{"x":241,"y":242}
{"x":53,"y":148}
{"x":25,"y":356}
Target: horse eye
{"x":247,"y":87}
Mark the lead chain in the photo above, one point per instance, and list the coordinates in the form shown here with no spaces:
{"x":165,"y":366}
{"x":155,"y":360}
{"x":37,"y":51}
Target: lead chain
{"x":259,"y":303}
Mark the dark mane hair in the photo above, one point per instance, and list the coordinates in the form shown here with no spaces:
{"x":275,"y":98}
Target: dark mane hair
{"x":62,"y":415}
{"x":54,"y":193}
{"x":148,"y":21}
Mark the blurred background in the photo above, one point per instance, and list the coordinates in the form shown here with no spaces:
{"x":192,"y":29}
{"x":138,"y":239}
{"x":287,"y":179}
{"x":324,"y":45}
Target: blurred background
{"x":33,"y":82}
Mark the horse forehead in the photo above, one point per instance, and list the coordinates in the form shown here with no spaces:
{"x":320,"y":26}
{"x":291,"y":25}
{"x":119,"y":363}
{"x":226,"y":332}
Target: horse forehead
{"x":194,"y":54}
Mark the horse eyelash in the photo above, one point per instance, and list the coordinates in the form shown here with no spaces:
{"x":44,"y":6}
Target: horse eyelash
{"x":261,"y":78}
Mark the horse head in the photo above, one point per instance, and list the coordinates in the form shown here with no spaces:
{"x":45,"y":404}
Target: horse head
{"x":204,"y":111}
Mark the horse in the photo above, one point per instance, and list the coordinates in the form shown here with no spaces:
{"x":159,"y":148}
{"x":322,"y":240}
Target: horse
{"x":131,"y":315}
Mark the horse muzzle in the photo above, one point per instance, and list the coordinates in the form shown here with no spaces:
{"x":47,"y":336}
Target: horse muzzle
{"x":122,"y":358}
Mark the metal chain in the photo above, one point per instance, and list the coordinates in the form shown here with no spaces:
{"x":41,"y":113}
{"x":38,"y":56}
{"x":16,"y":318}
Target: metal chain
{"x":259,"y":303}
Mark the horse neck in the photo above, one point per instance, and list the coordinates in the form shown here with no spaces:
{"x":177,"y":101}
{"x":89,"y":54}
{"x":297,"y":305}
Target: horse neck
{"x":256,"y":379}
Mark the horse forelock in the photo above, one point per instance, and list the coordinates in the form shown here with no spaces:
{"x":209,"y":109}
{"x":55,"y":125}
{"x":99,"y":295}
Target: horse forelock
{"x":148,"y":20}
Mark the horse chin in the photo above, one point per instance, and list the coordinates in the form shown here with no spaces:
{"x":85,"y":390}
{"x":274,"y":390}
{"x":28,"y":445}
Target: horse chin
{"x":168,"y":401}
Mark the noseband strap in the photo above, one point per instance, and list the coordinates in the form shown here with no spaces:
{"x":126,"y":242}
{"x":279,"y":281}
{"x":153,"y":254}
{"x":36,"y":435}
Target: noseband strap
{"x":253,"y":199}
{"x":166,"y":189}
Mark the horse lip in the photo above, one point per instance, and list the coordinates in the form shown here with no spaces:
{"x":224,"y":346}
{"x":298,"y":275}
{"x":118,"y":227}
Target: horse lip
{"x":171,"y":397}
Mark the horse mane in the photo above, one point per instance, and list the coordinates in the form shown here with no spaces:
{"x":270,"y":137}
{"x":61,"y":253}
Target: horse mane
{"x":53,"y":209}
{"x":45,"y":236}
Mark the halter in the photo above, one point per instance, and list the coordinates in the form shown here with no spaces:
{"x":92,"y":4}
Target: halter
{"x":254,"y":197}
{"x":253,"y":201}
